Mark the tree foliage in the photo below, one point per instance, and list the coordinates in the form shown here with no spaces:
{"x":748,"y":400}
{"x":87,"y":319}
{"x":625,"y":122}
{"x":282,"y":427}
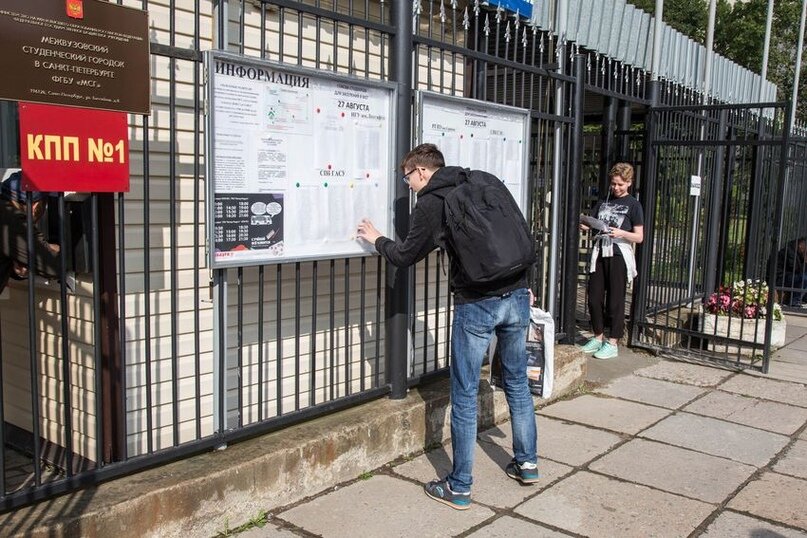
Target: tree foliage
{"x":740,"y":34}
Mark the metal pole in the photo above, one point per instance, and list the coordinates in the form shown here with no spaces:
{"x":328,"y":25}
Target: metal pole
{"x":707,"y":86}
{"x":795,"y":99}
{"x":571,"y":253}
{"x":557,"y":168}
{"x":647,"y":196}
{"x":784,"y":170}
{"x":714,"y":222}
{"x":710,"y":41}
{"x":765,"y":50}
{"x":657,"y":31}
{"x":398,"y":292}
{"x":608,"y":140}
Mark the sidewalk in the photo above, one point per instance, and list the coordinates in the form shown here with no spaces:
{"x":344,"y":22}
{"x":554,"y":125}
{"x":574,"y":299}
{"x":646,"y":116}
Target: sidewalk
{"x":652,"y":448}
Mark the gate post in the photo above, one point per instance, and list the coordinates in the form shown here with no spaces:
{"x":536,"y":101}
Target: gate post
{"x":571,"y":255}
{"x":608,"y":142}
{"x":779,"y":200}
{"x":717,"y":211}
{"x":623,"y":124}
{"x":647,"y":196}
{"x":398,"y":290}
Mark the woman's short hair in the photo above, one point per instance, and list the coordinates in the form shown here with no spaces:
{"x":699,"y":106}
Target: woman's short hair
{"x":623,"y":170}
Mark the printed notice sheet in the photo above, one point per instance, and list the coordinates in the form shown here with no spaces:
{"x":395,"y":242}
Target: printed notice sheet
{"x":480,"y":136}
{"x":298,"y":159}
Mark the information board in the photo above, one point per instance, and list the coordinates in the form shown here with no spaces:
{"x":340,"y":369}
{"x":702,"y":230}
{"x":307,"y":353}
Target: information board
{"x":480,"y":136}
{"x":297,"y":159}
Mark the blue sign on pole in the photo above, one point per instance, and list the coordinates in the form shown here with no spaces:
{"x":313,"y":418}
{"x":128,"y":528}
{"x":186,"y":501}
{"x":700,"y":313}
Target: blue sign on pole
{"x":524,"y":7}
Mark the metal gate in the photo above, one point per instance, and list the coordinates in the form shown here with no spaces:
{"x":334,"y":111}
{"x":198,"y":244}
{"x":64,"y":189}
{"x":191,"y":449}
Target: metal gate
{"x":714,"y":210}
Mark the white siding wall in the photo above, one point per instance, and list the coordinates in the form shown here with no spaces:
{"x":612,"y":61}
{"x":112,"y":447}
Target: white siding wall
{"x":347,"y":353}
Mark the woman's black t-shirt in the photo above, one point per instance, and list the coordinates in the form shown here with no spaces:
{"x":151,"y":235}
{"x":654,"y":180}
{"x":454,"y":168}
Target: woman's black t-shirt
{"x":624,"y":213}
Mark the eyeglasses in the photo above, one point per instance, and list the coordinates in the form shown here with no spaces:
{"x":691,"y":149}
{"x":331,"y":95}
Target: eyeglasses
{"x":405,"y":178}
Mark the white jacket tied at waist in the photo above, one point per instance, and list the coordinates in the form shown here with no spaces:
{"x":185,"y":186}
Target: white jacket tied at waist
{"x":604,"y":246}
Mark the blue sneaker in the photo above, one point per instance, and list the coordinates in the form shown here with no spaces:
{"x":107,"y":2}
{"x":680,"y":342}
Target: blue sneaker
{"x":439,"y":490}
{"x":607,"y":351}
{"x":592,"y":346}
{"x":526,"y":473}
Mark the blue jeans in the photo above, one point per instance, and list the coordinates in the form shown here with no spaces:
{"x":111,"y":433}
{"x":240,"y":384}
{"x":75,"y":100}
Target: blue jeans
{"x":473,"y":327}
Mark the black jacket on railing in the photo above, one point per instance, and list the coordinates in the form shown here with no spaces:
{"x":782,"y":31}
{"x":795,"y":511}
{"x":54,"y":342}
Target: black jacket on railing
{"x":790,"y":261}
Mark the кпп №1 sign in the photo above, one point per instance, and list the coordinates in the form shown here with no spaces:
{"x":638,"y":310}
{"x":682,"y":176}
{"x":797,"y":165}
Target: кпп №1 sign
{"x":297,"y":159}
{"x":64,"y":148}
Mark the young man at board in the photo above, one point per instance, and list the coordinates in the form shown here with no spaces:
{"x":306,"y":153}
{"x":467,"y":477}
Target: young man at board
{"x":475,"y":218}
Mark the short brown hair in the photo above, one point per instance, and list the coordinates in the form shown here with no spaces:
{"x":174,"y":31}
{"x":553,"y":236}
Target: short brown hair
{"x":425,"y":155}
{"x":623,"y":170}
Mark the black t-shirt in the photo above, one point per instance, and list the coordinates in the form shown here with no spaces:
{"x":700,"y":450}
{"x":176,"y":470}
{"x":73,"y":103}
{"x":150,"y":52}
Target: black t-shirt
{"x":624,"y":213}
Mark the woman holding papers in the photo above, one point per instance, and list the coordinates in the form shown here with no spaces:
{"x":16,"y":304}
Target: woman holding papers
{"x":619,"y":223}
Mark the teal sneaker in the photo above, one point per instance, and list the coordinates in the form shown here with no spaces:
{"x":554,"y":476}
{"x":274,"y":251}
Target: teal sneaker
{"x":592,"y":346}
{"x":439,"y":490}
{"x":607,"y":351}
{"x":526,"y":473}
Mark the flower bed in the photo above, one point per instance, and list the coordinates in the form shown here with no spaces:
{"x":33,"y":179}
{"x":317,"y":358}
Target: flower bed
{"x":739,"y":312}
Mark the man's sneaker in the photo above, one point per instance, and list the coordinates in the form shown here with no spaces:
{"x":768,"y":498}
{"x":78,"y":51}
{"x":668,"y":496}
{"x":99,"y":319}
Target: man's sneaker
{"x":592,"y":346}
{"x":607,"y":351}
{"x":526,"y":473}
{"x":439,"y":490}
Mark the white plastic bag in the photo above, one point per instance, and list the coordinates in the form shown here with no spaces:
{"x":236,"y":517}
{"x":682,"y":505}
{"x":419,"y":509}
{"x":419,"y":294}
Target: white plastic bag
{"x":540,"y":354}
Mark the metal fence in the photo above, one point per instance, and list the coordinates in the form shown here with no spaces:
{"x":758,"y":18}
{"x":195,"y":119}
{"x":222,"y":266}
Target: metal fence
{"x":121,"y":369}
{"x":707,"y":263}
{"x":788,"y":286}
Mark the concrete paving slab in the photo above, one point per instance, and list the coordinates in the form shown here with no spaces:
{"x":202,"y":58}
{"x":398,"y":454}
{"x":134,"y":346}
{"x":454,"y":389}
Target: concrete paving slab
{"x":788,"y":371}
{"x":799,"y":344}
{"x":593,"y":505}
{"x":789,"y":355}
{"x":794,"y":461}
{"x":776,"y":497}
{"x":629,"y":361}
{"x":608,"y":413}
{"x":507,"y":527}
{"x":686,"y":373}
{"x":651,"y":391}
{"x":733,"y":525}
{"x":767,"y":389}
{"x":771,"y":416}
{"x":384,"y":506}
{"x":719,"y":438}
{"x":491,"y":485}
{"x":560,"y":441}
{"x":267,"y":531}
{"x":677,"y":470}
{"x":797,"y":319}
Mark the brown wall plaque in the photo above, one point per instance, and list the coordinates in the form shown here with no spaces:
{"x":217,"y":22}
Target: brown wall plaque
{"x":87,"y":53}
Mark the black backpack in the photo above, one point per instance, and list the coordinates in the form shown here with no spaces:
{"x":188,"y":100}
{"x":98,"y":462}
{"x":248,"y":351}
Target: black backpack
{"x":486,"y":230}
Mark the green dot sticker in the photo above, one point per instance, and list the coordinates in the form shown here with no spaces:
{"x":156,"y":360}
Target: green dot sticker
{"x":298,"y":184}
{"x":325,"y":184}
